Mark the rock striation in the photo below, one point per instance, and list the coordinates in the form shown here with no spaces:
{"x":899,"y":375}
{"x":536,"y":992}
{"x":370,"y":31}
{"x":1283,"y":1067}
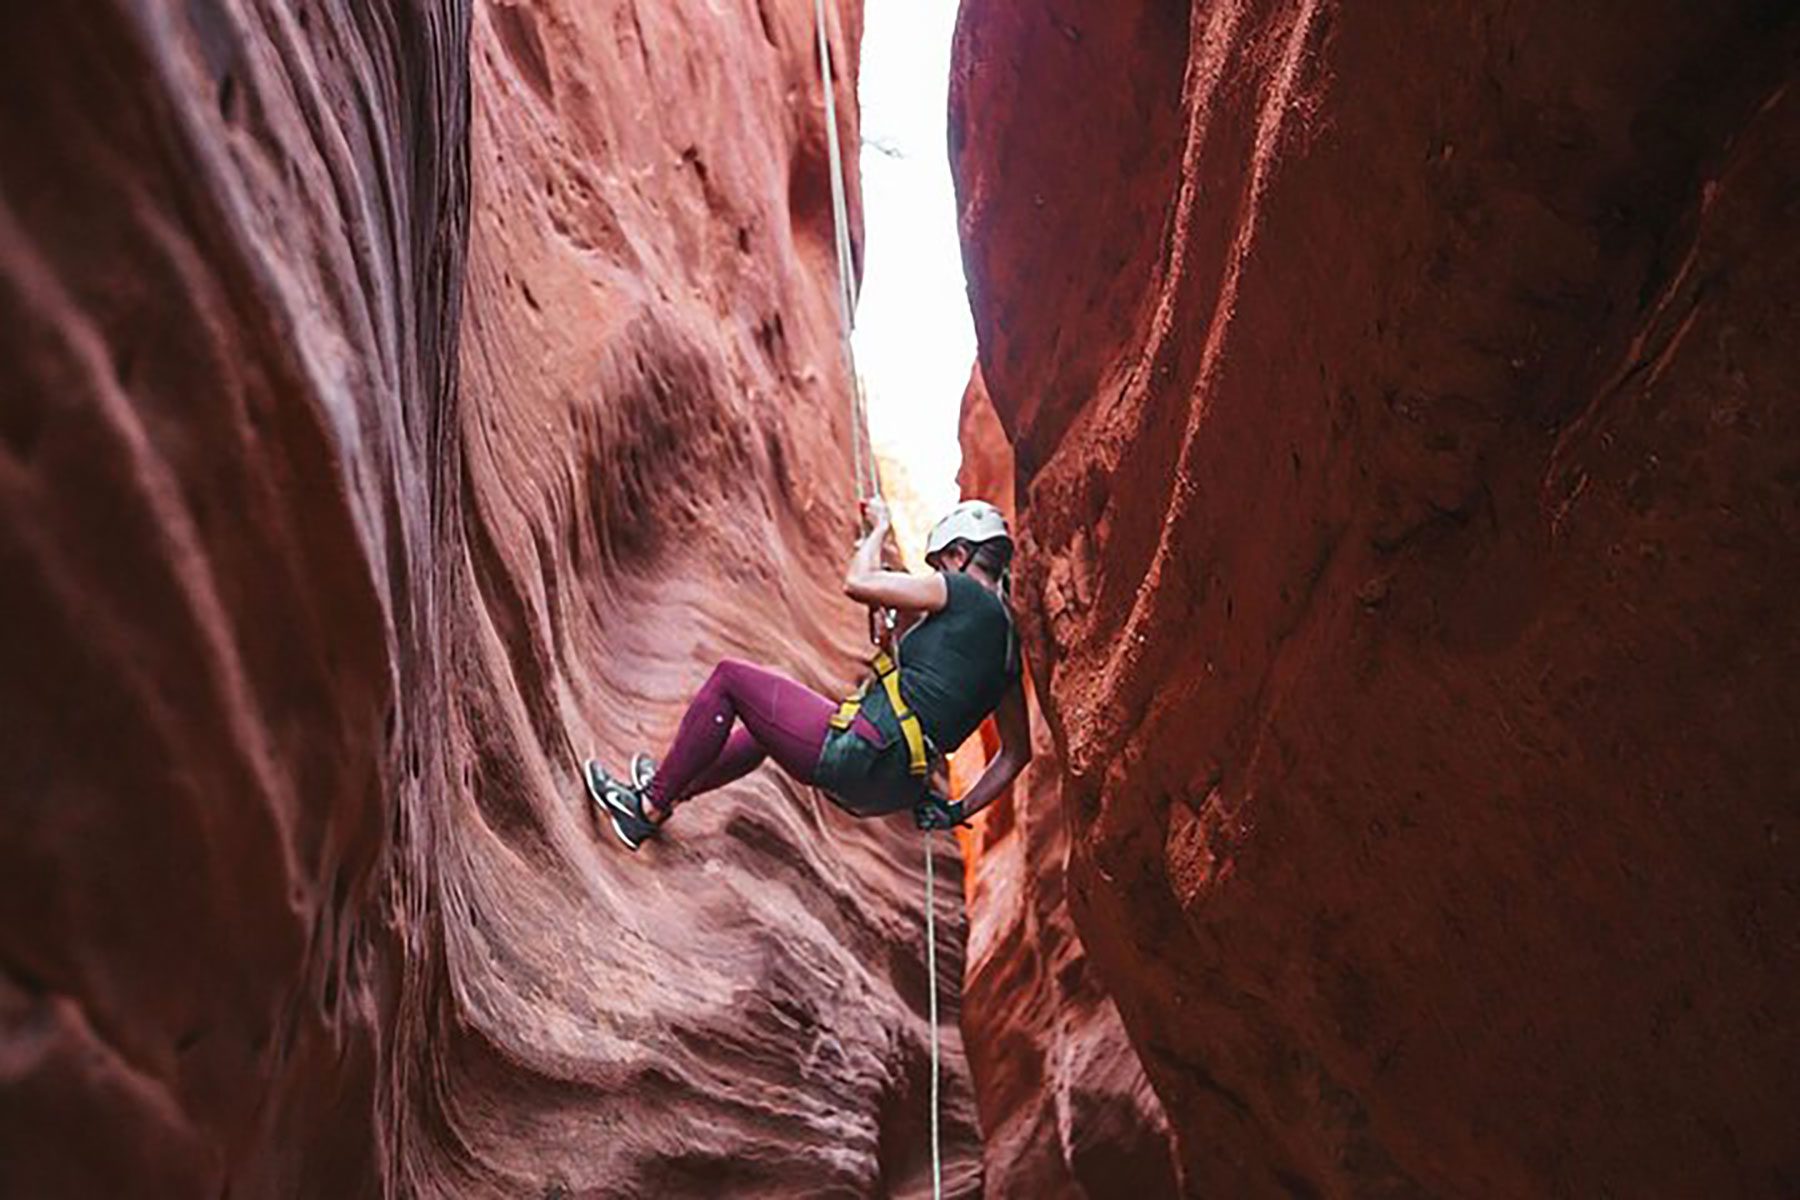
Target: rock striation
{"x":1066,"y":1110}
{"x":399,"y":403}
{"x":1403,"y":409}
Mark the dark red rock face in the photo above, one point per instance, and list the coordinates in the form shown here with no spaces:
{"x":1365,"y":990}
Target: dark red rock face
{"x":1403,"y":402}
{"x":230,"y":256}
{"x":1065,"y":1108}
{"x":399,"y":403}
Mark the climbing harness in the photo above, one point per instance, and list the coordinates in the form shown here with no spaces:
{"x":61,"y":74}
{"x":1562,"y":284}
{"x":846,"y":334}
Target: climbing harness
{"x":868,"y":483}
{"x":888,"y":673}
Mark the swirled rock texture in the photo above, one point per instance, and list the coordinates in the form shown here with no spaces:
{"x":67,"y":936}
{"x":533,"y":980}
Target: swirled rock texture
{"x":399,"y":402}
{"x":656,"y":450}
{"x":1066,"y":1110}
{"x":1403,"y":400}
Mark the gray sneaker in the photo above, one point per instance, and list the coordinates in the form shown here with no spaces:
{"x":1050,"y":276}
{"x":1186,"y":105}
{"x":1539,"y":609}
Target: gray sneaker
{"x":643,"y":770}
{"x":621,"y":802}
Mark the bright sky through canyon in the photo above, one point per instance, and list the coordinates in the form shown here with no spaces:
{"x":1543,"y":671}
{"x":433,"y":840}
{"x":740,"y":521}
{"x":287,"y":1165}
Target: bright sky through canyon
{"x":914,"y":339}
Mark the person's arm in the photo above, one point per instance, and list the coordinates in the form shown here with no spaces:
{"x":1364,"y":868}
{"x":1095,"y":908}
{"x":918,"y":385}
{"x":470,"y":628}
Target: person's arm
{"x":1015,"y":752}
{"x":869,"y":583}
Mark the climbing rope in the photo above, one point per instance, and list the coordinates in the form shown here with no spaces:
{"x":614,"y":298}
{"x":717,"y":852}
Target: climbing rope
{"x":868,"y":484}
{"x":937,"y":1169}
{"x":868,"y":480}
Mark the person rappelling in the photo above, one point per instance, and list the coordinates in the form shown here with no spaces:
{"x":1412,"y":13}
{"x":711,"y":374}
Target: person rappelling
{"x":882,"y":750}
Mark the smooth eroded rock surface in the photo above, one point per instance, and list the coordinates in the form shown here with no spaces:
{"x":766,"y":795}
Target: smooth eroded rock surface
{"x":400,"y":402}
{"x":1404,"y":408}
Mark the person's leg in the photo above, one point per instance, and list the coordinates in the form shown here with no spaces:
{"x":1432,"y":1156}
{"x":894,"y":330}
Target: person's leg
{"x":783,"y":719}
{"x":740,"y":756}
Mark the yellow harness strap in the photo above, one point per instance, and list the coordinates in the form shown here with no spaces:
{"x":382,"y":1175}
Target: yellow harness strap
{"x":918,"y":762}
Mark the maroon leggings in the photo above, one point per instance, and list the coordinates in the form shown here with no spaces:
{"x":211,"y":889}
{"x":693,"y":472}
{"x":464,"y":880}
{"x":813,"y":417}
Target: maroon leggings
{"x":781,"y":719}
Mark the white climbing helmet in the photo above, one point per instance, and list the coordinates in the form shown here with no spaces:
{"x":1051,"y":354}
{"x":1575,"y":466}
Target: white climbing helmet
{"x":974,"y":521}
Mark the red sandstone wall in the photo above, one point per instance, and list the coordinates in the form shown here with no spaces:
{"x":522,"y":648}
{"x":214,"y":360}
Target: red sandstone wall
{"x":1065,"y":1108}
{"x":399,"y":403}
{"x":230,"y":256}
{"x":656,"y":444}
{"x":1403,"y":400}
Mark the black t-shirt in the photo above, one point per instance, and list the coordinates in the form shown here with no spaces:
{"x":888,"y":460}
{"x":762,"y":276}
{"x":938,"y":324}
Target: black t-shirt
{"x":953,"y":664}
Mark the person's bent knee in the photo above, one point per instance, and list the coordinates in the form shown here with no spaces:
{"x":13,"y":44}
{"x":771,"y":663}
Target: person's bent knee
{"x":721,"y":686}
{"x":729,"y":673}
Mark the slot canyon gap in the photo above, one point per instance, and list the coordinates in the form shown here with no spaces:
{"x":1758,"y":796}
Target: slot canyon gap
{"x":1396,"y":405}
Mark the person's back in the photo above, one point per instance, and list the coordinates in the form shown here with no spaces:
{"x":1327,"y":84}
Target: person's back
{"x":954,"y":664}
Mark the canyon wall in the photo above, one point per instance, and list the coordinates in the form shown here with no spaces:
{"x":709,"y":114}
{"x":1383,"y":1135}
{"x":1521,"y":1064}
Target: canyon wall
{"x":656,"y":450}
{"x":401,"y":402}
{"x":1403,"y":407}
{"x":1066,"y":1110}
{"x":230,"y":260}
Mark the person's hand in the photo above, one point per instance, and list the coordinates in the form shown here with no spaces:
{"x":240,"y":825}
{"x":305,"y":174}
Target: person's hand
{"x":935,"y":812}
{"x":875,"y":512}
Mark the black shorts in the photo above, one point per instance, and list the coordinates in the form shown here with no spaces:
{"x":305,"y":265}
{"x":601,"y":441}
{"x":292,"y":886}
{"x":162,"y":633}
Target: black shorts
{"x":869,"y":779}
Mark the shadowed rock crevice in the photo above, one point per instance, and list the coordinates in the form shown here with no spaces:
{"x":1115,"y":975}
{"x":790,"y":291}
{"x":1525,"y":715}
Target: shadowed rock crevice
{"x":1065,"y":1106}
